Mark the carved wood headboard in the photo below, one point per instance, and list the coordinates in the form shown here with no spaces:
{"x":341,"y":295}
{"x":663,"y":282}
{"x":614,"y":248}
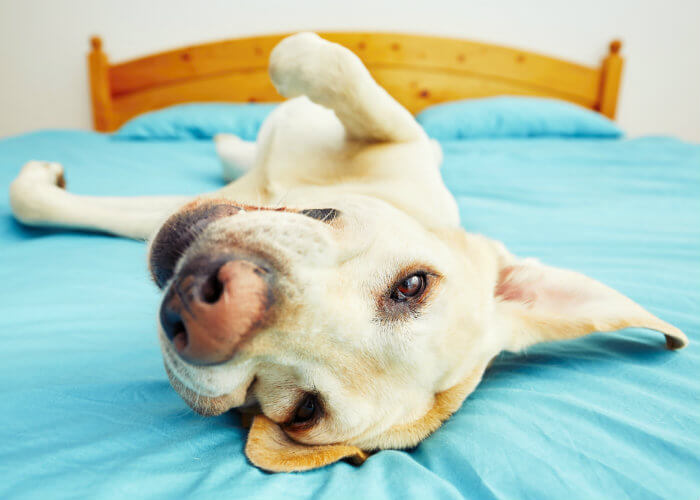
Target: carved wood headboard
{"x":417,"y":70}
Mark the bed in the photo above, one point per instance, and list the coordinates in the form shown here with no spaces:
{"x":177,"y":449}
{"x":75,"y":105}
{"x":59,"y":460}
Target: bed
{"x":88,"y":411}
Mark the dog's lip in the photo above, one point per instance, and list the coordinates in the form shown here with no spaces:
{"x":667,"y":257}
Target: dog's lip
{"x":175,"y":364}
{"x":207,"y":406}
{"x":205,"y":400}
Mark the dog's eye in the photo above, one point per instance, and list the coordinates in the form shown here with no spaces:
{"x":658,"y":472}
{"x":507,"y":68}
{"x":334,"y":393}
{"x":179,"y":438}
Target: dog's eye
{"x":408,"y":288}
{"x":322,"y":214}
{"x":307,"y":411}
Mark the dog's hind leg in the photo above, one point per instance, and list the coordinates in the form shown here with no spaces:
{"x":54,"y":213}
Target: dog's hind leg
{"x":38,"y":198}
{"x":334,"y":77}
{"x":237,"y":155}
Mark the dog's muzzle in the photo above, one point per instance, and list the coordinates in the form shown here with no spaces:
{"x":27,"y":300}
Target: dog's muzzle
{"x":215,"y":301}
{"x":219,"y":298}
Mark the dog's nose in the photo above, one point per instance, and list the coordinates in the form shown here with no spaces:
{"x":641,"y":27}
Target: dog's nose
{"x":213,"y":307}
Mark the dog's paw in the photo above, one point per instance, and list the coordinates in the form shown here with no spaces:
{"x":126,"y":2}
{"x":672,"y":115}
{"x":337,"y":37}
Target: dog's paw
{"x":34,"y":188}
{"x":41,"y":173}
{"x":293,"y":62}
{"x":306,"y":64}
{"x":225,"y":140}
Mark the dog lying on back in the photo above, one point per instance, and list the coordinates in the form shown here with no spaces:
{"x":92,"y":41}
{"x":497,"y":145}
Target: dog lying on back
{"x":359,"y":315}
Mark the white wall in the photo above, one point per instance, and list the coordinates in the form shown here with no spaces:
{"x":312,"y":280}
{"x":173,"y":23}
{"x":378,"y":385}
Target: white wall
{"x":43,"y":44}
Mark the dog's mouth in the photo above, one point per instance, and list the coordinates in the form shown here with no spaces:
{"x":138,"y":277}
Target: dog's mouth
{"x":215,"y":394}
{"x":219,"y":294}
{"x":208,"y":406}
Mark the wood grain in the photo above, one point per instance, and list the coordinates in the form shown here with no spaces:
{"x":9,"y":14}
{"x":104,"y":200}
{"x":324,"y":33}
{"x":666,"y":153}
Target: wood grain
{"x":416,"y":70}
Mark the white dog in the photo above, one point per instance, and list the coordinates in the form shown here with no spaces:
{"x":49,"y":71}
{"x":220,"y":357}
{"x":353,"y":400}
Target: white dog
{"x":359,"y":315}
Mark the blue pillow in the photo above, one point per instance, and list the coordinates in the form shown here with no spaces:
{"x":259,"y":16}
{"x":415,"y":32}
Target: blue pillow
{"x":503,"y":117}
{"x":197,"y":121}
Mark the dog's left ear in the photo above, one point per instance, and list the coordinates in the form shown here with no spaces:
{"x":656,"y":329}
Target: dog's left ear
{"x":269,"y":448}
{"x":538,"y":303}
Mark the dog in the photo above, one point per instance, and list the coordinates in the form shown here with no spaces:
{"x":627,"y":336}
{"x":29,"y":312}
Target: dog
{"x":330,"y":291}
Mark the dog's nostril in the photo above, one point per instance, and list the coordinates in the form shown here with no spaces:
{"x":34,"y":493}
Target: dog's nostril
{"x":212,"y":288}
{"x":179,"y":338}
{"x":179,"y":328}
{"x":171,"y":321}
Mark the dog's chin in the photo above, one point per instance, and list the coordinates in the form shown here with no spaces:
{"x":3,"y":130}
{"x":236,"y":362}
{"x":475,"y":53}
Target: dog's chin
{"x":207,"y":406}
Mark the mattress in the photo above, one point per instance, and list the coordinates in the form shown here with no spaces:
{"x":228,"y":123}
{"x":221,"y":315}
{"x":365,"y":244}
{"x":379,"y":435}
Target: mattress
{"x":87,"y":411}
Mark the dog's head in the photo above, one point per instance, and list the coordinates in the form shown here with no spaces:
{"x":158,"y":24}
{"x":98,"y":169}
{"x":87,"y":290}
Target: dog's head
{"x":351,"y":327}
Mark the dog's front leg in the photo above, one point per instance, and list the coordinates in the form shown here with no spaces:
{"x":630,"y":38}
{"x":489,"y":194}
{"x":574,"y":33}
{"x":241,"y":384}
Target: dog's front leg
{"x":334,"y":77}
{"x":38,"y":198}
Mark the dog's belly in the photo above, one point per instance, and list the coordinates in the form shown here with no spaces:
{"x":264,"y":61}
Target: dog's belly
{"x":305,"y":160}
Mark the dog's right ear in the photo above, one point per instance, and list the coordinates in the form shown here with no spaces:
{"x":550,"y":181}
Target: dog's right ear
{"x":536,"y":303}
{"x":539,"y":303}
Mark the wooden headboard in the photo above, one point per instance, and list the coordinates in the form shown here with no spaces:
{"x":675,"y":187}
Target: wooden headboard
{"x":417,"y":70}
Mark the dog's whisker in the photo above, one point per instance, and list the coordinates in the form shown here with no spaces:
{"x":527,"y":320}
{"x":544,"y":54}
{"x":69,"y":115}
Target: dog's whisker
{"x":282,"y":199}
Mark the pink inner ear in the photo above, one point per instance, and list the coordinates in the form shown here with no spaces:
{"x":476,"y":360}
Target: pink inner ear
{"x":538,"y":286}
{"x":509,"y":288}
{"x":547,"y":303}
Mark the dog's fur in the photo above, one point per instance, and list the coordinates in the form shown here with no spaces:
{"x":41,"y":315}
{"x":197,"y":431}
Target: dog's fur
{"x":387,"y":375}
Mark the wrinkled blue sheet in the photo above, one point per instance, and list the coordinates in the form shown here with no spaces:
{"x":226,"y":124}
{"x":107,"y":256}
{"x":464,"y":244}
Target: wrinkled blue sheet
{"x":86,"y":410}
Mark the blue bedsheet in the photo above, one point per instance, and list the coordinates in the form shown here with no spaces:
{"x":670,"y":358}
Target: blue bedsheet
{"x":87,"y":412}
